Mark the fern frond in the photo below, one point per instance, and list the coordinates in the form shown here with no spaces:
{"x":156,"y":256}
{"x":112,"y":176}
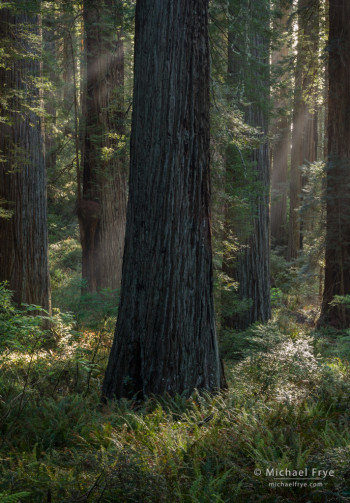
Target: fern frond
{"x":13,"y":498}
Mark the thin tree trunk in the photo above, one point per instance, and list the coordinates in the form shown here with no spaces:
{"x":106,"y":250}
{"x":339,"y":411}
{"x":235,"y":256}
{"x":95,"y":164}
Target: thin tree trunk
{"x":280,"y":150}
{"x":50,"y":99}
{"x":102,"y":208}
{"x":23,"y":238}
{"x":252,"y":266}
{"x":165,"y":339}
{"x":304,"y":142}
{"x":67,"y":14}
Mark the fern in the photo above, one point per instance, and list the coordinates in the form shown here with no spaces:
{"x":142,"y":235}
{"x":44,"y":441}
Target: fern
{"x":13,"y":498}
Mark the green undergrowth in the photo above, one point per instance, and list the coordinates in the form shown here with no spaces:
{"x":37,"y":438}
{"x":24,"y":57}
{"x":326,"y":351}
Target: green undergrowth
{"x":287,"y":408}
{"x":68,"y":289}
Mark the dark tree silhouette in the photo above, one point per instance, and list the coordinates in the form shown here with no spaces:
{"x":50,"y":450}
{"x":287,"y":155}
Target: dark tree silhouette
{"x":337,"y":270}
{"x":23,"y":237}
{"x":165,"y":338}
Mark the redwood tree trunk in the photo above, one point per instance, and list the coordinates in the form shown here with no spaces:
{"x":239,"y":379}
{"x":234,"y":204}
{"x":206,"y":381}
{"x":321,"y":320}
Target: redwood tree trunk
{"x":165,"y":338}
{"x":279,"y":183}
{"x":280,"y":150}
{"x":252,"y":266}
{"x":337,"y":270}
{"x":304,"y":141}
{"x":102,"y":207}
{"x":50,"y":99}
{"x":68,"y":65}
{"x":23,"y":238}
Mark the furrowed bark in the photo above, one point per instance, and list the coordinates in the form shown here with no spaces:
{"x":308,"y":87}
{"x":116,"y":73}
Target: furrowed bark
{"x":165,"y":340}
{"x":337,"y":269}
{"x":23,"y":237}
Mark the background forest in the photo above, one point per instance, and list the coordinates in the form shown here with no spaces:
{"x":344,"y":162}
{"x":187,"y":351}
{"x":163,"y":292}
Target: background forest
{"x":92,"y":96}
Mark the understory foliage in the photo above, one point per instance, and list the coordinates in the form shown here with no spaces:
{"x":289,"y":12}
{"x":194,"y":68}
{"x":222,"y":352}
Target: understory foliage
{"x":287,"y":408}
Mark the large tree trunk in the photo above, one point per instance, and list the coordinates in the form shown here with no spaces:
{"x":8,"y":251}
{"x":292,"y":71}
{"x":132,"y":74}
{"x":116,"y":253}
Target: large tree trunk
{"x":165,"y":340}
{"x":252,"y":267}
{"x":102,"y":207}
{"x":23,"y":238}
{"x":304,"y":141}
{"x":337,"y":270}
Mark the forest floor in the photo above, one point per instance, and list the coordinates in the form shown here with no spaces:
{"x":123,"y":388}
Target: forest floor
{"x":280,"y":433}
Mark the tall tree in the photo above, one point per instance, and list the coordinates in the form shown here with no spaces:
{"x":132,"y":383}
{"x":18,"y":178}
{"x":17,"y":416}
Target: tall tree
{"x":49,"y":70}
{"x":280,"y":128}
{"x":337,"y":269}
{"x":304,"y":141}
{"x":68,"y":63}
{"x":102,"y":204}
{"x":165,"y":338}
{"x":23,"y":238}
{"x":248,"y":57}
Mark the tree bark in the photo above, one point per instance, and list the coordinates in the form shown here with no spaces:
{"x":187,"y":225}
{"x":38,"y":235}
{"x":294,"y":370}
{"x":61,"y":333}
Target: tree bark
{"x":252,"y":266}
{"x":165,"y":340}
{"x":337,"y":269}
{"x":68,"y":66}
{"x":102,"y":207}
{"x":50,"y":99}
{"x":23,"y":238}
